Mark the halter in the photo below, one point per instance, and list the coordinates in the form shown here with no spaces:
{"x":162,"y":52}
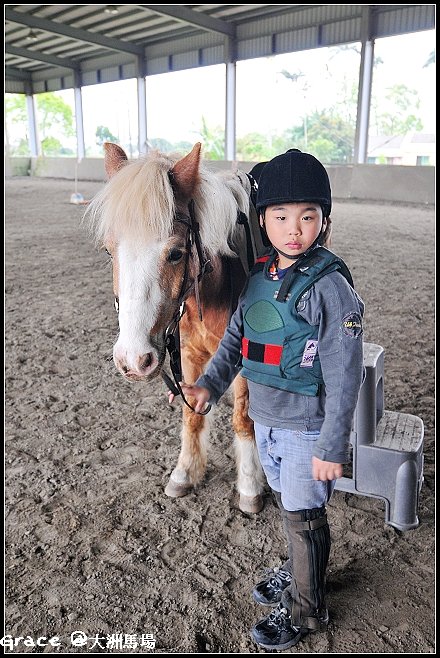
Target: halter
{"x":172,"y":333}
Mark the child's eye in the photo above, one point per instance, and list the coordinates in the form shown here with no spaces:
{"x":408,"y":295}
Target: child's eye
{"x":308,"y":218}
{"x":280,"y":218}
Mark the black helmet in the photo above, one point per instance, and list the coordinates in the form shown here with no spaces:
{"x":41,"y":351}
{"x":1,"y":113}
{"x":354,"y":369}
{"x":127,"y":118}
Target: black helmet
{"x":294,"y":176}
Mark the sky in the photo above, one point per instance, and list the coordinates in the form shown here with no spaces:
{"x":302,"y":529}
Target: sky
{"x":267,"y":101}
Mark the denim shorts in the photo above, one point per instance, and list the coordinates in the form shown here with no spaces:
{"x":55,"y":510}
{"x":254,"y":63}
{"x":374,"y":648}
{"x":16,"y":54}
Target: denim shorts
{"x":286,"y":458}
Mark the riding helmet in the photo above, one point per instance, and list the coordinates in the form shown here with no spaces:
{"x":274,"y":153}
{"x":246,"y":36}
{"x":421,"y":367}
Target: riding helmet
{"x":294,"y":176}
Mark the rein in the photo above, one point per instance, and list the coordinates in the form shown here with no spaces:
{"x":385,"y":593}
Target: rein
{"x":172,"y":334}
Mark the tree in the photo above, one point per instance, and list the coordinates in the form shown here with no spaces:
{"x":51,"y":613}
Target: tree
{"x":329,"y":137}
{"x":54,"y":120}
{"x":213,"y":140}
{"x":54,"y":115}
{"x":103,"y":134}
{"x":399,"y":117}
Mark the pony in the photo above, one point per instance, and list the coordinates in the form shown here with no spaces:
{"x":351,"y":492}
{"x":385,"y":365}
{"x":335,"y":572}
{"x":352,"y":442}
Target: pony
{"x":176,"y":233}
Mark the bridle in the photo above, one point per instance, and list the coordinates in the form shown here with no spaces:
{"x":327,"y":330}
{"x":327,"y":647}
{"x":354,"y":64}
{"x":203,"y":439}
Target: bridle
{"x":172,"y":333}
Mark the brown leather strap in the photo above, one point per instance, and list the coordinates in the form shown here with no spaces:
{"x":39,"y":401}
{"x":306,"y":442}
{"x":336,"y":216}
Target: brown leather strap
{"x":307,"y":525}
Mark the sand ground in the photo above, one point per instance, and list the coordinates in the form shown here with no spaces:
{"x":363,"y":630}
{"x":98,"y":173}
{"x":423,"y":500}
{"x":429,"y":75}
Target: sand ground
{"x":92,"y":542}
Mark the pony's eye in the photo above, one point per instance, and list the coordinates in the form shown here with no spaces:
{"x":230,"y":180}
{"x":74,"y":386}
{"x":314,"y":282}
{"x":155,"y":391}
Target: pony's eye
{"x":107,"y":252}
{"x":175,"y":255}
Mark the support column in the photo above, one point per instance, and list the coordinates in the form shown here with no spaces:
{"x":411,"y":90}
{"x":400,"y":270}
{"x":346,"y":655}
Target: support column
{"x":79,"y":118}
{"x":231,"y":100}
{"x":142,"y":106}
{"x":34,"y":144}
{"x":364,"y":93}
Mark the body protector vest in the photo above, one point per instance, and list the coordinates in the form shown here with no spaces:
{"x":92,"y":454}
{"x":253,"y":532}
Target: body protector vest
{"x":279,"y":348}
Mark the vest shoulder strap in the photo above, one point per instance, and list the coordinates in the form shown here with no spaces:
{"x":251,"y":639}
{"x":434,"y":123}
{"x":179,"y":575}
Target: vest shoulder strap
{"x":306,"y":272}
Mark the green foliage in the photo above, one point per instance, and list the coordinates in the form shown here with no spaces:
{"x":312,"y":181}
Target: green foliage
{"x":50,"y":146}
{"x":54,"y":114}
{"x":161,"y":144}
{"x":15,"y":107}
{"x":213,"y":141}
{"x":254,"y":147}
{"x":398,"y":116}
{"x":103,"y":134}
{"x":54,"y":117}
{"x":326,"y":135}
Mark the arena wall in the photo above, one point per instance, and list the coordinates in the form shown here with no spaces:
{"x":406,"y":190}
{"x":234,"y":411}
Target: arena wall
{"x":395,"y":183}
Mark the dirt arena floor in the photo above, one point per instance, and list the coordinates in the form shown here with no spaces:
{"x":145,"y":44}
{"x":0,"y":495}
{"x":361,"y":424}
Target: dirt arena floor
{"x":94,"y":548}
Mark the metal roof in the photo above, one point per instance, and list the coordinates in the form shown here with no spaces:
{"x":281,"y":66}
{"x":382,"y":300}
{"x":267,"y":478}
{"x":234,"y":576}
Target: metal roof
{"x":52,"y":47}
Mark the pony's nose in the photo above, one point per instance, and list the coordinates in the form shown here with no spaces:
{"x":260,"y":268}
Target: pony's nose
{"x":137,"y":366}
{"x":144,"y":362}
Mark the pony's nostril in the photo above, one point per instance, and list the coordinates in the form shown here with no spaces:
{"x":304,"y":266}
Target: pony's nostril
{"x":145,"y":361}
{"x":125,"y":368}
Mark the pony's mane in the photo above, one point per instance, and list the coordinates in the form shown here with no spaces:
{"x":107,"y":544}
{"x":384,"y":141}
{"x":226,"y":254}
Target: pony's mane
{"x":137,"y":203}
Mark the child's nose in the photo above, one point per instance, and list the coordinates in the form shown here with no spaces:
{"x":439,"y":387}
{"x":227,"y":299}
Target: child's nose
{"x":294,"y":228}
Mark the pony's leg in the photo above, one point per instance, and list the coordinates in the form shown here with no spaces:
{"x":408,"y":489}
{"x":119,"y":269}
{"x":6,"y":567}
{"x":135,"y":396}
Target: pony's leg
{"x":191,"y":465}
{"x":251,"y":479}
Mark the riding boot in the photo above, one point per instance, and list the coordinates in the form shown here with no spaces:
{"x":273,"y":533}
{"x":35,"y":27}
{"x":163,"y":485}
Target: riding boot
{"x":308,"y":536}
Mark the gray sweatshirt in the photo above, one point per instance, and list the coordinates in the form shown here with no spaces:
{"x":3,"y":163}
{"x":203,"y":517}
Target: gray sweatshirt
{"x":337,"y":310}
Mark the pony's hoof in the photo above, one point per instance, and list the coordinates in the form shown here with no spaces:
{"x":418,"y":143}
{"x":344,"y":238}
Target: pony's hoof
{"x":177,"y":490}
{"x":251,"y":504}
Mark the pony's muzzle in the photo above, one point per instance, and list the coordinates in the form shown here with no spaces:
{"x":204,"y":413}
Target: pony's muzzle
{"x":136,"y":368}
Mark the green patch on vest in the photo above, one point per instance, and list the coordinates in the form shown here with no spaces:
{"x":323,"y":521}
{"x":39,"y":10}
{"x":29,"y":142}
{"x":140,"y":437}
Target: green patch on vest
{"x":263,"y":316}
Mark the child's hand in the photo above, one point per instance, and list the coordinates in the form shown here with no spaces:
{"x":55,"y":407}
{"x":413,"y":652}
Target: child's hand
{"x":200,"y":393}
{"x":324,"y":471}
{"x":171,"y":397}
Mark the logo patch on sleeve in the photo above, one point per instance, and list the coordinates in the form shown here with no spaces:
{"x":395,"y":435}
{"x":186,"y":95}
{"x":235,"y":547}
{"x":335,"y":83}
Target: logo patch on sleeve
{"x":352,"y":325}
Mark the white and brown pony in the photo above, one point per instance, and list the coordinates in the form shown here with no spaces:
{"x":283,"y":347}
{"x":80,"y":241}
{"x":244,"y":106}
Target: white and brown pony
{"x":170,"y":225}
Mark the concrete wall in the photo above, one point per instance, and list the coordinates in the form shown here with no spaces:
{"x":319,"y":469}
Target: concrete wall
{"x":368,"y":182}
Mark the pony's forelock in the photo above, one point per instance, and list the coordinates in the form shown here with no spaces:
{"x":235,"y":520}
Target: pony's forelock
{"x":138,"y":204}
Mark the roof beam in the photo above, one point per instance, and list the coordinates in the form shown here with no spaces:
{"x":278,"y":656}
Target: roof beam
{"x":72,"y":32}
{"x":11,"y":72}
{"x":41,"y":57}
{"x":185,"y":15}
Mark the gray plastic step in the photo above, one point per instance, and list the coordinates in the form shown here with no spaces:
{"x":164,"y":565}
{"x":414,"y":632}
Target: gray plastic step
{"x":387,"y":449}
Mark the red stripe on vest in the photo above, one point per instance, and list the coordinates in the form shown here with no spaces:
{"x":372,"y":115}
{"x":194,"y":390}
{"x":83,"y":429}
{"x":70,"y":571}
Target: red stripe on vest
{"x":262,"y":259}
{"x":244,"y":347}
{"x":272,"y":354}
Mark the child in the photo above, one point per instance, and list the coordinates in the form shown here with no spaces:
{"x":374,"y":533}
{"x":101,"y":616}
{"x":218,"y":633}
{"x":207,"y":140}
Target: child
{"x":296,"y":337}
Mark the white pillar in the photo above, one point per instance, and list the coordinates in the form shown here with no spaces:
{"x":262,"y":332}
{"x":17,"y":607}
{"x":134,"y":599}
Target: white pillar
{"x":79,"y":119}
{"x":231,"y":111}
{"x":364,"y":92}
{"x":34,"y":144}
{"x":142,"y":105}
{"x":231,"y":100}
{"x":142,"y":115}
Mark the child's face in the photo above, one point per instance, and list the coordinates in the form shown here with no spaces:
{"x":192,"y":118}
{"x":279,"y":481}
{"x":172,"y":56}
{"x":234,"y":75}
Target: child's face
{"x":293,"y":227}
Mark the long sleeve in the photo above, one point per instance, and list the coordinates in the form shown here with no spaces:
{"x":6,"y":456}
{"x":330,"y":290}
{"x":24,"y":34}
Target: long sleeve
{"x":338,"y":311}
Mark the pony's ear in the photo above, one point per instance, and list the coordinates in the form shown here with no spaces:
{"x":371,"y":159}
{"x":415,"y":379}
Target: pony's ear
{"x":114,"y":158}
{"x":184,"y":175}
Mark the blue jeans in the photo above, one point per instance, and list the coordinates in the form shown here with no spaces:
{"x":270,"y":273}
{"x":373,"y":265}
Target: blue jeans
{"x":286,"y":458}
